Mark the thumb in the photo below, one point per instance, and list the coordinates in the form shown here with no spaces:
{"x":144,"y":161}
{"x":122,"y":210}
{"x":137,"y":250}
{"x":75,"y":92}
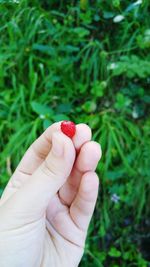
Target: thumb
{"x":32,"y":199}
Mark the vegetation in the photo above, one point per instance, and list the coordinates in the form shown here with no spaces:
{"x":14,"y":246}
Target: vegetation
{"x":88,"y":62}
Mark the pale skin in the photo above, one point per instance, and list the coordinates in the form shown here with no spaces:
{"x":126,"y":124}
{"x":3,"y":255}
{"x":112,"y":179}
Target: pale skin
{"x":48,"y":203}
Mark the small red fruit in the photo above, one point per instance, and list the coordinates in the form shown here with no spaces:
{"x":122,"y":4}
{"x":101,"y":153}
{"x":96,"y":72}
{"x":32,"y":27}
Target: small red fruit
{"x":68,"y":128}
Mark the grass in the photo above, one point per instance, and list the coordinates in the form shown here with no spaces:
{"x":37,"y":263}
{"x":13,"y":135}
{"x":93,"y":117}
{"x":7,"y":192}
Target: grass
{"x":67,"y":60}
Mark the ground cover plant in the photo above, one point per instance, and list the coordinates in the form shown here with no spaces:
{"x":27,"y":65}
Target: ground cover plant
{"x":84,"y":61}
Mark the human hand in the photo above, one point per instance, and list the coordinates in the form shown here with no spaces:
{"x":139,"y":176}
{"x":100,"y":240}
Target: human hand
{"x":47,"y":205}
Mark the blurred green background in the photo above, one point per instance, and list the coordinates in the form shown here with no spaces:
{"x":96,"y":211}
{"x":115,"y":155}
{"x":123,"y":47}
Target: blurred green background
{"x":87,"y":61}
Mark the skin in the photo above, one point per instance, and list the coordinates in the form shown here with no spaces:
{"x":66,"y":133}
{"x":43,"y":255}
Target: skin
{"x":48,"y":203}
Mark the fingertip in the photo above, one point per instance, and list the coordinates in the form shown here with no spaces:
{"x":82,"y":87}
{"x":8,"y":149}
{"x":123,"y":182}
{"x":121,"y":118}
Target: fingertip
{"x":98,"y":149}
{"x":83,"y":134}
{"x":89,"y":156}
{"x":65,"y":141}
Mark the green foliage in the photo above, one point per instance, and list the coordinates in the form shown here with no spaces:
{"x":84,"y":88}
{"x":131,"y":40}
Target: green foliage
{"x":87,"y":61}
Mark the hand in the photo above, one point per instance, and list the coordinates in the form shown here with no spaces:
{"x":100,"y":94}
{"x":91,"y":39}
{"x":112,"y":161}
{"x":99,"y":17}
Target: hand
{"x":47,"y":205}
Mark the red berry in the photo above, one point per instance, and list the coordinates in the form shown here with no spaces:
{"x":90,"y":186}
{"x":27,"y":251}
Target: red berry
{"x":68,"y":128}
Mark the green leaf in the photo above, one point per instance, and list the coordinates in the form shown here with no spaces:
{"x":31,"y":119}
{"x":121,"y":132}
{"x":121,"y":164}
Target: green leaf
{"x":82,"y":32}
{"x":60,"y":117}
{"x":101,"y":255}
{"x":46,"y":123}
{"x":113,"y":252}
{"x":1,"y":191}
{"x":102,"y":231}
{"x":41,"y":109}
{"x":70,"y":48}
{"x":146,"y":99}
{"x":116,"y":3}
{"x":127,"y":255}
{"x":98,"y":88}
{"x":83,"y":4}
{"x":94,"y":121}
{"x":131,"y":7}
{"x":114,"y":175}
{"x":122,"y":101}
{"x":120,"y":151}
{"x":97,"y":17}
{"x":64,"y":108}
{"x":46,"y":49}
{"x":108,"y":15}
{"x":89,"y":106}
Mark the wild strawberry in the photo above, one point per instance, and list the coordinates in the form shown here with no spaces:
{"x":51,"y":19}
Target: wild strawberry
{"x":68,"y":128}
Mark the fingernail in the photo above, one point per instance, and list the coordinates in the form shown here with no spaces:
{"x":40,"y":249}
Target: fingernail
{"x":57,"y":145}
